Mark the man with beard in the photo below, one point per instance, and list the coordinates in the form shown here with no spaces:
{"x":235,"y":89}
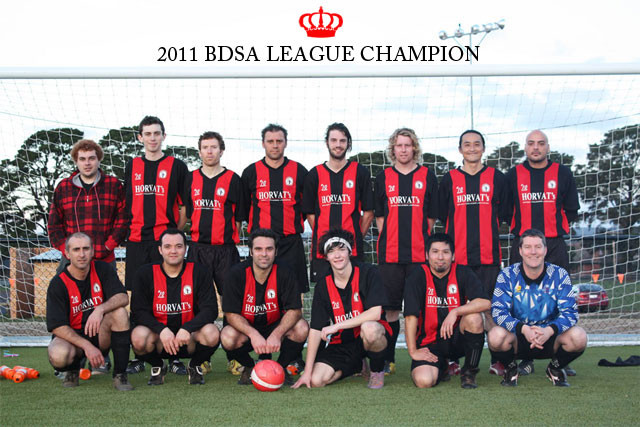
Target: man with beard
{"x":337,"y":194}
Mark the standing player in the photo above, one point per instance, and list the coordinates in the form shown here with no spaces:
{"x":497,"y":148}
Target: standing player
{"x":154,"y":186}
{"x":86,"y":314}
{"x":472,"y":202}
{"x":406,"y":208}
{"x":92,"y":202}
{"x":542,"y":195}
{"x":536,"y":313}
{"x":443,"y":302}
{"x":273,"y":188}
{"x":173,"y":306}
{"x":337,"y":193}
{"x":262,"y":308}
{"x":215,"y":205}
{"x":347,"y":313}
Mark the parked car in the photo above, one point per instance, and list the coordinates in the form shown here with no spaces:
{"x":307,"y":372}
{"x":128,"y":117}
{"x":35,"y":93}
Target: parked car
{"x":590,"y":297}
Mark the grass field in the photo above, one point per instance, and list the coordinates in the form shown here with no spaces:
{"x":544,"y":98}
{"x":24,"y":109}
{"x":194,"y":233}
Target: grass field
{"x":597,"y":396}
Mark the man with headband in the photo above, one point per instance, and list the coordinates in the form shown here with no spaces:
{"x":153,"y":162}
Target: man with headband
{"x":347,"y":314}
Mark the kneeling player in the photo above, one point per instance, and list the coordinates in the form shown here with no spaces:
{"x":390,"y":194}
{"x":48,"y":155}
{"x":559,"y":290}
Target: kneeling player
{"x":350,"y":295}
{"x":262,"y":308}
{"x":535,"y":310}
{"x":86,"y":314}
{"x":438,"y":322}
{"x":174,"y":306}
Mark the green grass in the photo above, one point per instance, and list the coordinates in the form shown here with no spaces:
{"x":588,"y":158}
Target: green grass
{"x":597,"y":396}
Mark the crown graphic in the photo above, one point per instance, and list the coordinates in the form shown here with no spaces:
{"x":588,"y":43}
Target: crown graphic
{"x":314,"y":23}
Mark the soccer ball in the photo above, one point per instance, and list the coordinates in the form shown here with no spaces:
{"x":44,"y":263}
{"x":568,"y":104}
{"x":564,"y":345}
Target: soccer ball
{"x":267,"y":375}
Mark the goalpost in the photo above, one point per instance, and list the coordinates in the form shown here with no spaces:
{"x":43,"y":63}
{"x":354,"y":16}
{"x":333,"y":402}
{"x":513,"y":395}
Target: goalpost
{"x":590,"y":113}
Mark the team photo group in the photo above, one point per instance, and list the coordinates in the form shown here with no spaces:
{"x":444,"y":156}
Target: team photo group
{"x":450,"y":285}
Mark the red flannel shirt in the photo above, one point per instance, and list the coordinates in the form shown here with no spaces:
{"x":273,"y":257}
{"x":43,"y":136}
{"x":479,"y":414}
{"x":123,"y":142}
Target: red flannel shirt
{"x":98,"y":212}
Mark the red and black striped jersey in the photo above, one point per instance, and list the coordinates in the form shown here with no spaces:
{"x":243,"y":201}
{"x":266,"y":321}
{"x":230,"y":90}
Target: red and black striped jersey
{"x":337,"y":200}
{"x":260,"y":303}
{"x":545,"y":199}
{"x":214,"y":205}
{"x":154,"y":188}
{"x":430,"y":298}
{"x":274,"y":196}
{"x":471,"y":207}
{"x":70,"y":302}
{"x":187,"y":301}
{"x":333,"y":304}
{"x":405,"y":202}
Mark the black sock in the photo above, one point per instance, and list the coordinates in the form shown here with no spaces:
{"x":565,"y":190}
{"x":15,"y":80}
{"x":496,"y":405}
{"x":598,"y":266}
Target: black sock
{"x":473,"y":344}
{"x":563,"y":358}
{"x":202,"y":354}
{"x":376,"y":360}
{"x":242,"y":356}
{"x":152,"y":359}
{"x":506,"y":357}
{"x":289,"y":350}
{"x":120,"y":344}
{"x":391,"y":346}
{"x":73,"y":366}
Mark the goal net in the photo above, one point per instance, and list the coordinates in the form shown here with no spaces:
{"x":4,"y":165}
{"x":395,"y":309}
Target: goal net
{"x":592,"y":121}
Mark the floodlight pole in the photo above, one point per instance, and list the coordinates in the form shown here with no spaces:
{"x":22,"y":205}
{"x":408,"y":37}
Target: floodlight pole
{"x":474,"y":30}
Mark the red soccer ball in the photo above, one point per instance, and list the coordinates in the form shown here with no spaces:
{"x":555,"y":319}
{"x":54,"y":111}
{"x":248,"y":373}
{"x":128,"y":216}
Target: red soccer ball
{"x":267,"y":375}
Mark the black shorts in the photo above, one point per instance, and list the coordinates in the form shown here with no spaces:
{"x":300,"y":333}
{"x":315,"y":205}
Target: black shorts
{"x":344,"y":357}
{"x":557,"y":252}
{"x":319,"y":267}
{"x":451,"y":349}
{"x":393,"y":277}
{"x":219,"y":258}
{"x":291,"y":254}
{"x":265,"y":331}
{"x":139,"y":254}
{"x":527,"y":353}
{"x":488,"y":275}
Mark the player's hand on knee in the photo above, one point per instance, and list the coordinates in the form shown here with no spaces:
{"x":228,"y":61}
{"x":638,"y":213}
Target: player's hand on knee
{"x":183,"y":337}
{"x":168,"y":340}
{"x":92,"y":327}
{"x":94,"y":355}
{"x":424,"y":354}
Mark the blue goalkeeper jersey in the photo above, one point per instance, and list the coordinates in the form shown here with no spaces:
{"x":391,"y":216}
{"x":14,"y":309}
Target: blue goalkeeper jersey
{"x":551,"y":303}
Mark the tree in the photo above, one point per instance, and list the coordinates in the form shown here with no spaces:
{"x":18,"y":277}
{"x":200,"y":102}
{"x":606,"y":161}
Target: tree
{"x":29,"y":179}
{"x":506,"y":157}
{"x":609,"y":182}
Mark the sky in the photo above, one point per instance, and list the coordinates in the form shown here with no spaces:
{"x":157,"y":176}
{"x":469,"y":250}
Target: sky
{"x":575,"y":111}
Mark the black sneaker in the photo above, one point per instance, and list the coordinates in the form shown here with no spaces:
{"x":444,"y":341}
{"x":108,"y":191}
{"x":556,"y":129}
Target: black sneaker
{"x":526,"y":367}
{"x":245,"y":378}
{"x":510,"y":378}
{"x":71,"y":379}
{"x":296,"y":367}
{"x":157,"y":375}
{"x":468,"y":378}
{"x":135,"y":366}
{"x":103,"y":369}
{"x":196,"y":377}
{"x":569,"y":371}
{"x":121,"y":382}
{"x":288,"y":380}
{"x":557,"y":376}
{"x":178,"y":368}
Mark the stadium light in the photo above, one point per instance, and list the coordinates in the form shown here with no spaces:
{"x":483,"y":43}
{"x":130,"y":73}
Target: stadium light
{"x":474,"y":30}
